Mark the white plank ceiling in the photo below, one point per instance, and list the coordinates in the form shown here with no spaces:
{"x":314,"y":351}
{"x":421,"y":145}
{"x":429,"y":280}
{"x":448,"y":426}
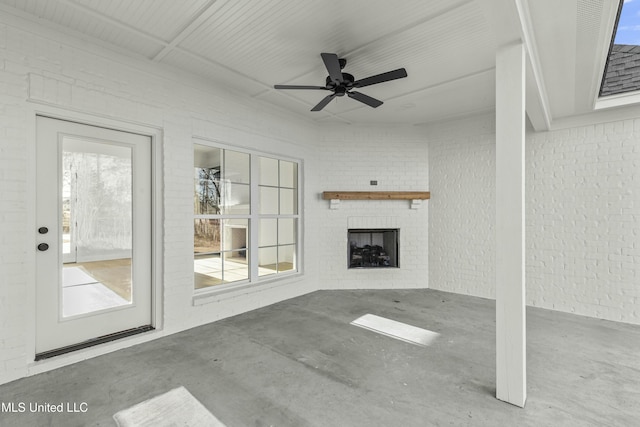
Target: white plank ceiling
{"x":447,"y":47}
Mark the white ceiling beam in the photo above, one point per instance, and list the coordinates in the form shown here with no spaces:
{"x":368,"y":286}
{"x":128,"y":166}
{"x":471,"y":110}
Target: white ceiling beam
{"x":608,"y":22}
{"x":538,"y":115}
{"x":538,"y":108}
{"x":211,"y":62}
{"x":512,"y":23}
{"x":201,"y":17}
{"x":115,"y":22}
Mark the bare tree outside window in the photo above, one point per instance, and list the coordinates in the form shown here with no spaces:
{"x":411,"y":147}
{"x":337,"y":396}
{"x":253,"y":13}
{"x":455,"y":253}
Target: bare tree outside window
{"x":208,"y":191}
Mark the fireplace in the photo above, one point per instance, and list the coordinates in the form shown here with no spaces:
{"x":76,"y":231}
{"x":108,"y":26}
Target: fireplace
{"x":373,"y":248}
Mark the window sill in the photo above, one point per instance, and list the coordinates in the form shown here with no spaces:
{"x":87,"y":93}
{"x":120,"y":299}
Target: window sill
{"x":221,"y":294}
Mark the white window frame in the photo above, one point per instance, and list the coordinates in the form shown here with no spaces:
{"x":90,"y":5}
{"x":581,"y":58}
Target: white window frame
{"x":254,"y":219}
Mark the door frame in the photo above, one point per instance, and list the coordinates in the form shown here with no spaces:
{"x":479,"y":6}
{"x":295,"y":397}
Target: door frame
{"x":155,"y":134}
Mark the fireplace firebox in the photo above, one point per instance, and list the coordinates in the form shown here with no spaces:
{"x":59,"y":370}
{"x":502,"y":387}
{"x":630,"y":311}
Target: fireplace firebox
{"x":373,"y":248}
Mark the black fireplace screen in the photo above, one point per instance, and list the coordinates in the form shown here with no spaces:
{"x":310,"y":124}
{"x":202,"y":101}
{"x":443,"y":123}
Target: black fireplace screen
{"x":373,"y":248}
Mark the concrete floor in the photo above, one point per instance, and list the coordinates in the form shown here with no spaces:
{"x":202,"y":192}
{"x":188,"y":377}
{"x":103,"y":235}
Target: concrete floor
{"x":300,"y":363}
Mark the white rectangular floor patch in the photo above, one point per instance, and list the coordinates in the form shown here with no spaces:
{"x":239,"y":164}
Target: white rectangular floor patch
{"x":177,"y":407}
{"x":395,"y":329}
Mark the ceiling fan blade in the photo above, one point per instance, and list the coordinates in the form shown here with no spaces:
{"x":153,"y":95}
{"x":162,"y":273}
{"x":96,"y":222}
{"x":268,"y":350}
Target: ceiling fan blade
{"x":379,"y":78}
{"x":324,"y":102}
{"x":332,"y":63}
{"x":365,"y":99}
{"x":298,"y":87}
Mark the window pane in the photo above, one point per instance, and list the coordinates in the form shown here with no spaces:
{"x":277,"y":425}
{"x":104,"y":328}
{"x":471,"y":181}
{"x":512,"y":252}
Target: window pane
{"x":286,"y":231}
{"x":267,"y":261}
{"x":206,"y":179}
{"x":207,"y":196}
{"x":288,"y":201}
{"x":206,"y":235}
{"x":288,"y":174}
{"x":235,"y":266}
{"x":268,"y":171}
{"x":286,"y":258}
{"x":268,"y":232}
{"x":235,"y":234}
{"x":207,"y":270}
{"x":236,"y":167}
{"x":268,"y":200}
{"x":235,"y":199}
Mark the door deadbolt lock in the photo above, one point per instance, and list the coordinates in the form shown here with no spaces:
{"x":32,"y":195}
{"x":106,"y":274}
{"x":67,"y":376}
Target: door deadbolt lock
{"x":43,"y":230}
{"x":43,"y":247}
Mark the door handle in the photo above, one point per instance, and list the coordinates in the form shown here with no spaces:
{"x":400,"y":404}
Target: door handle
{"x":43,"y":247}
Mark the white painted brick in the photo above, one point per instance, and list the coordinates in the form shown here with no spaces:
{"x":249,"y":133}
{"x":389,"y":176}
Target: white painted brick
{"x":350,"y":157}
{"x":44,"y":66}
{"x":582,"y":215}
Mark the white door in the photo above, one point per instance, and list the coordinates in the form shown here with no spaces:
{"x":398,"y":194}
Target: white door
{"x":93,"y":233}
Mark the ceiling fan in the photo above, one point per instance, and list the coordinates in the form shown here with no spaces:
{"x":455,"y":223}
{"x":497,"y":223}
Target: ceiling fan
{"x":342,"y":83}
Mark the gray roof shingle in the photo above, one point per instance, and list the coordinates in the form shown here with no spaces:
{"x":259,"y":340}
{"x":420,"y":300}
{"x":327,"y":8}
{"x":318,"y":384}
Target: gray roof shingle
{"x":623,"y":70}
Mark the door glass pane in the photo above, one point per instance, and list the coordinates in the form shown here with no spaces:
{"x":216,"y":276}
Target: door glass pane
{"x":96,"y":225}
{"x":67,"y":182}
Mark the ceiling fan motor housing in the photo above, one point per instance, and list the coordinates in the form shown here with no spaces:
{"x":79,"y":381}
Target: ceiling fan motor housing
{"x":340,"y":88}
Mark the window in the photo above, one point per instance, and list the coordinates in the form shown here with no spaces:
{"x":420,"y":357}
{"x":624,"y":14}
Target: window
{"x":227,"y":204}
{"x":622,"y":73}
{"x":278,"y":188}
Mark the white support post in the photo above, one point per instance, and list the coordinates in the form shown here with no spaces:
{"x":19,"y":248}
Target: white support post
{"x":511,"y":356}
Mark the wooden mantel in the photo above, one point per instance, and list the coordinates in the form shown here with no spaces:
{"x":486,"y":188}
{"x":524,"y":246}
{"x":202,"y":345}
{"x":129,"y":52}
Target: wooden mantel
{"x":375,"y":195}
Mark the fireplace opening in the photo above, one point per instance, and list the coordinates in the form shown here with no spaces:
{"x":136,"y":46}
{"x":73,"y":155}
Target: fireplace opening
{"x":373,"y":248}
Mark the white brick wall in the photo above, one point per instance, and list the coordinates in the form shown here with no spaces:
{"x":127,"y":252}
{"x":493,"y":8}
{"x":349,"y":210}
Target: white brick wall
{"x":462,"y":207}
{"x":582,"y":207}
{"x":41,"y":70}
{"x":13,"y":186}
{"x":350,"y":157}
{"x":583,"y":225}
